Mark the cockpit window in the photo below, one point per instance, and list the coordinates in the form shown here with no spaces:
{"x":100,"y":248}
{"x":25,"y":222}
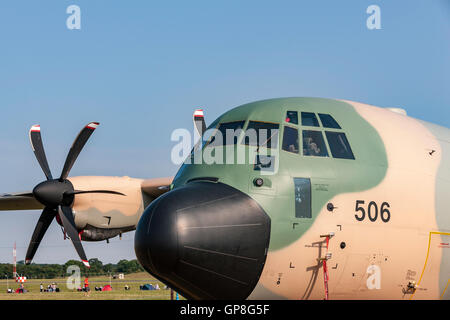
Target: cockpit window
{"x":314,"y":144}
{"x":290,"y":139}
{"x":339,"y":146}
{"x":226,"y":134}
{"x":292,"y":117}
{"x":328,"y":121}
{"x":309,"y":119}
{"x":261,"y":134}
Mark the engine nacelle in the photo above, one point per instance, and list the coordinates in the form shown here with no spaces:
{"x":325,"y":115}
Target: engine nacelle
{"x":96,"y":234}
{"x":102,"y":215}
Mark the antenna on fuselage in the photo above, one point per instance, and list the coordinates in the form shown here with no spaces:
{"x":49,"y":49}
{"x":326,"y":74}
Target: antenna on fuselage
{"x":398,"y":110}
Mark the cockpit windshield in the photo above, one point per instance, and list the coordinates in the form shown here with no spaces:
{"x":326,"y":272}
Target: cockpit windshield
{"x":226,"y":134}
{"x":314,"y":144}
{"x":261,"y":134}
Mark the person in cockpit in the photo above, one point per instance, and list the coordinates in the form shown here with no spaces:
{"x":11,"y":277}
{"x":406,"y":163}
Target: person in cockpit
{"x":311,"y":147}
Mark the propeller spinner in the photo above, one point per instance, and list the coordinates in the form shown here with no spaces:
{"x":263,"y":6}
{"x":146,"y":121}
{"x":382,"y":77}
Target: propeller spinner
{"x":57,"y":195}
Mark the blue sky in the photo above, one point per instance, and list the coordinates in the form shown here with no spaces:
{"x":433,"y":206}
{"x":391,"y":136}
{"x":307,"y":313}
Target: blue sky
{"x":141,"y":67}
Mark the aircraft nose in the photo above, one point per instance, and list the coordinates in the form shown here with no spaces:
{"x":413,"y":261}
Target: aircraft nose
{"x":206,"y":240}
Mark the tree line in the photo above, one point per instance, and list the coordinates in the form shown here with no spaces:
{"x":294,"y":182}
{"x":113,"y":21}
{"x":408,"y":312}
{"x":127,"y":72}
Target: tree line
{"x":50,"y":271}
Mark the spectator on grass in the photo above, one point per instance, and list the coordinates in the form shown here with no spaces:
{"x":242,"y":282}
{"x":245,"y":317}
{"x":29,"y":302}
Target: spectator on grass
{"x":86,"y":287}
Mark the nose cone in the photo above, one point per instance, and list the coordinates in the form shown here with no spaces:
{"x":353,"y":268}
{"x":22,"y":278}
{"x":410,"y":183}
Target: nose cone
{"x":206,"y":240}
{"x":51,"y":193}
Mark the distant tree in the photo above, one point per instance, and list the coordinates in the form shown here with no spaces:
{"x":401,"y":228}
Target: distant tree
{"x":49,"y":271}
{"x":107,"y":268}
{"x":131,"y":266}
{"x":135,"y":266}
{"x":73,"y":262}
{"x":96,"y":266}
{"x":6,"y":270}
{"x":122,"y":266}
{"x":83,"y":269}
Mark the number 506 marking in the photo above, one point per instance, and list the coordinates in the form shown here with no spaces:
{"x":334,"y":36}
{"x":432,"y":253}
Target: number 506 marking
{"x":372,"y":211}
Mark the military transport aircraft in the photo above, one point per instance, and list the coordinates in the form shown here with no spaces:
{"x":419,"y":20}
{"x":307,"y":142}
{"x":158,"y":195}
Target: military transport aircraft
{"x":342,"y":200}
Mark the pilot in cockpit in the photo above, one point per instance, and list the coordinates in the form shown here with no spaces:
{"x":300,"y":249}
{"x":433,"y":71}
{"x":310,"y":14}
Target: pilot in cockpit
{"x":311,"y":147}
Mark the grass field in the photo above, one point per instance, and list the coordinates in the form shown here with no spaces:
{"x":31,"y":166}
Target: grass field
{"x":118,"y":292}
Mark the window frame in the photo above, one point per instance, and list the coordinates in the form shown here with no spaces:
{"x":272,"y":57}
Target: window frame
{"x":207,"y":144}
{"x":324,"y":143}
{"x":286,"y":117}
{"x":346,"y":140}
{"x":298,"y":139}
{"x":315,"y":116}
{"x":329,"y":115}
{"x":265,"y":145}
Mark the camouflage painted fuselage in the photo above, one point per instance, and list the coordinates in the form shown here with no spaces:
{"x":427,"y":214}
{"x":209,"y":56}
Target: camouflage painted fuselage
{"x":401,"y":165}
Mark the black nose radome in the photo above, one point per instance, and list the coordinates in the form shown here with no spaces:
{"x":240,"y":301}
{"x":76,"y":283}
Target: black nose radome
{"x":53,"y":192}
{"x":206,"y":240}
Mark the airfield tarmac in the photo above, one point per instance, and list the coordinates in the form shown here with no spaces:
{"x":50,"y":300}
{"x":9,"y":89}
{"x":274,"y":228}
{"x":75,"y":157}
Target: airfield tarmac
{"x":118,"y":293}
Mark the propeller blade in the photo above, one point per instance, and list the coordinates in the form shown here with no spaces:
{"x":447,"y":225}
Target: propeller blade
{"x":76,"y":148}
{"x":38,"y":149}
{"x":21,"y":194}
{"x":66,"y":215}
{"x":199,"y":122}
{"x":94,"y":191}
{"x":44,"y":222}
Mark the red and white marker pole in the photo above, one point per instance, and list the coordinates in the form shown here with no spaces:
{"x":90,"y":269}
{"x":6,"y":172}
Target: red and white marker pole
{"x":14,"y":261}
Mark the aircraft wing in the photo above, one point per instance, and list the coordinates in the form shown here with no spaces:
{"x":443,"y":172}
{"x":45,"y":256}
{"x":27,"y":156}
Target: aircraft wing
{"x":19,"y":201}
{"x":26,"y":201}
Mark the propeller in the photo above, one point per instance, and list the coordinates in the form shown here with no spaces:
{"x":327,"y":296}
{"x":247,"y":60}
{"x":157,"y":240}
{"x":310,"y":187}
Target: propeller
{"x":200,"y":128}
{"x":57,"y":195}
{"x":199,"y":122}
